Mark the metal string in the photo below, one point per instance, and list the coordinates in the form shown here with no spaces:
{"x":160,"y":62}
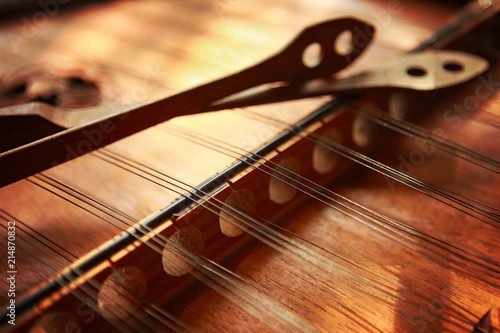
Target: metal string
{"x":87,"y":197}
{"x":205,"y":196}
{"x":322,"y":194}
{"x":413,"y":131}
{"x":400,"y":177}
{"x":142,"y":165}
{"x":159,"y":250}
{"x":83,"y":293}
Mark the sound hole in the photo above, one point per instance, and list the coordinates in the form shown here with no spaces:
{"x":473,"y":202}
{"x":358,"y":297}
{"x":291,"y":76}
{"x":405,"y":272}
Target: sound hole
{"x":76,"y":82}
{"x":17,"y":89}
{"x":68,"y":92}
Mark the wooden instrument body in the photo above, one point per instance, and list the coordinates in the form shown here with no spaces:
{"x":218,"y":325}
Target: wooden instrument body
{"x":439,"y":274}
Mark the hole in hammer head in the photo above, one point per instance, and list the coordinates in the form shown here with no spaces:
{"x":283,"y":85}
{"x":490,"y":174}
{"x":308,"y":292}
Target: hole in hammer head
{"x":312,"y":55}
{"x":416,"y":71}
{"x":453,"y":66}
{"x":344,"y":43}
